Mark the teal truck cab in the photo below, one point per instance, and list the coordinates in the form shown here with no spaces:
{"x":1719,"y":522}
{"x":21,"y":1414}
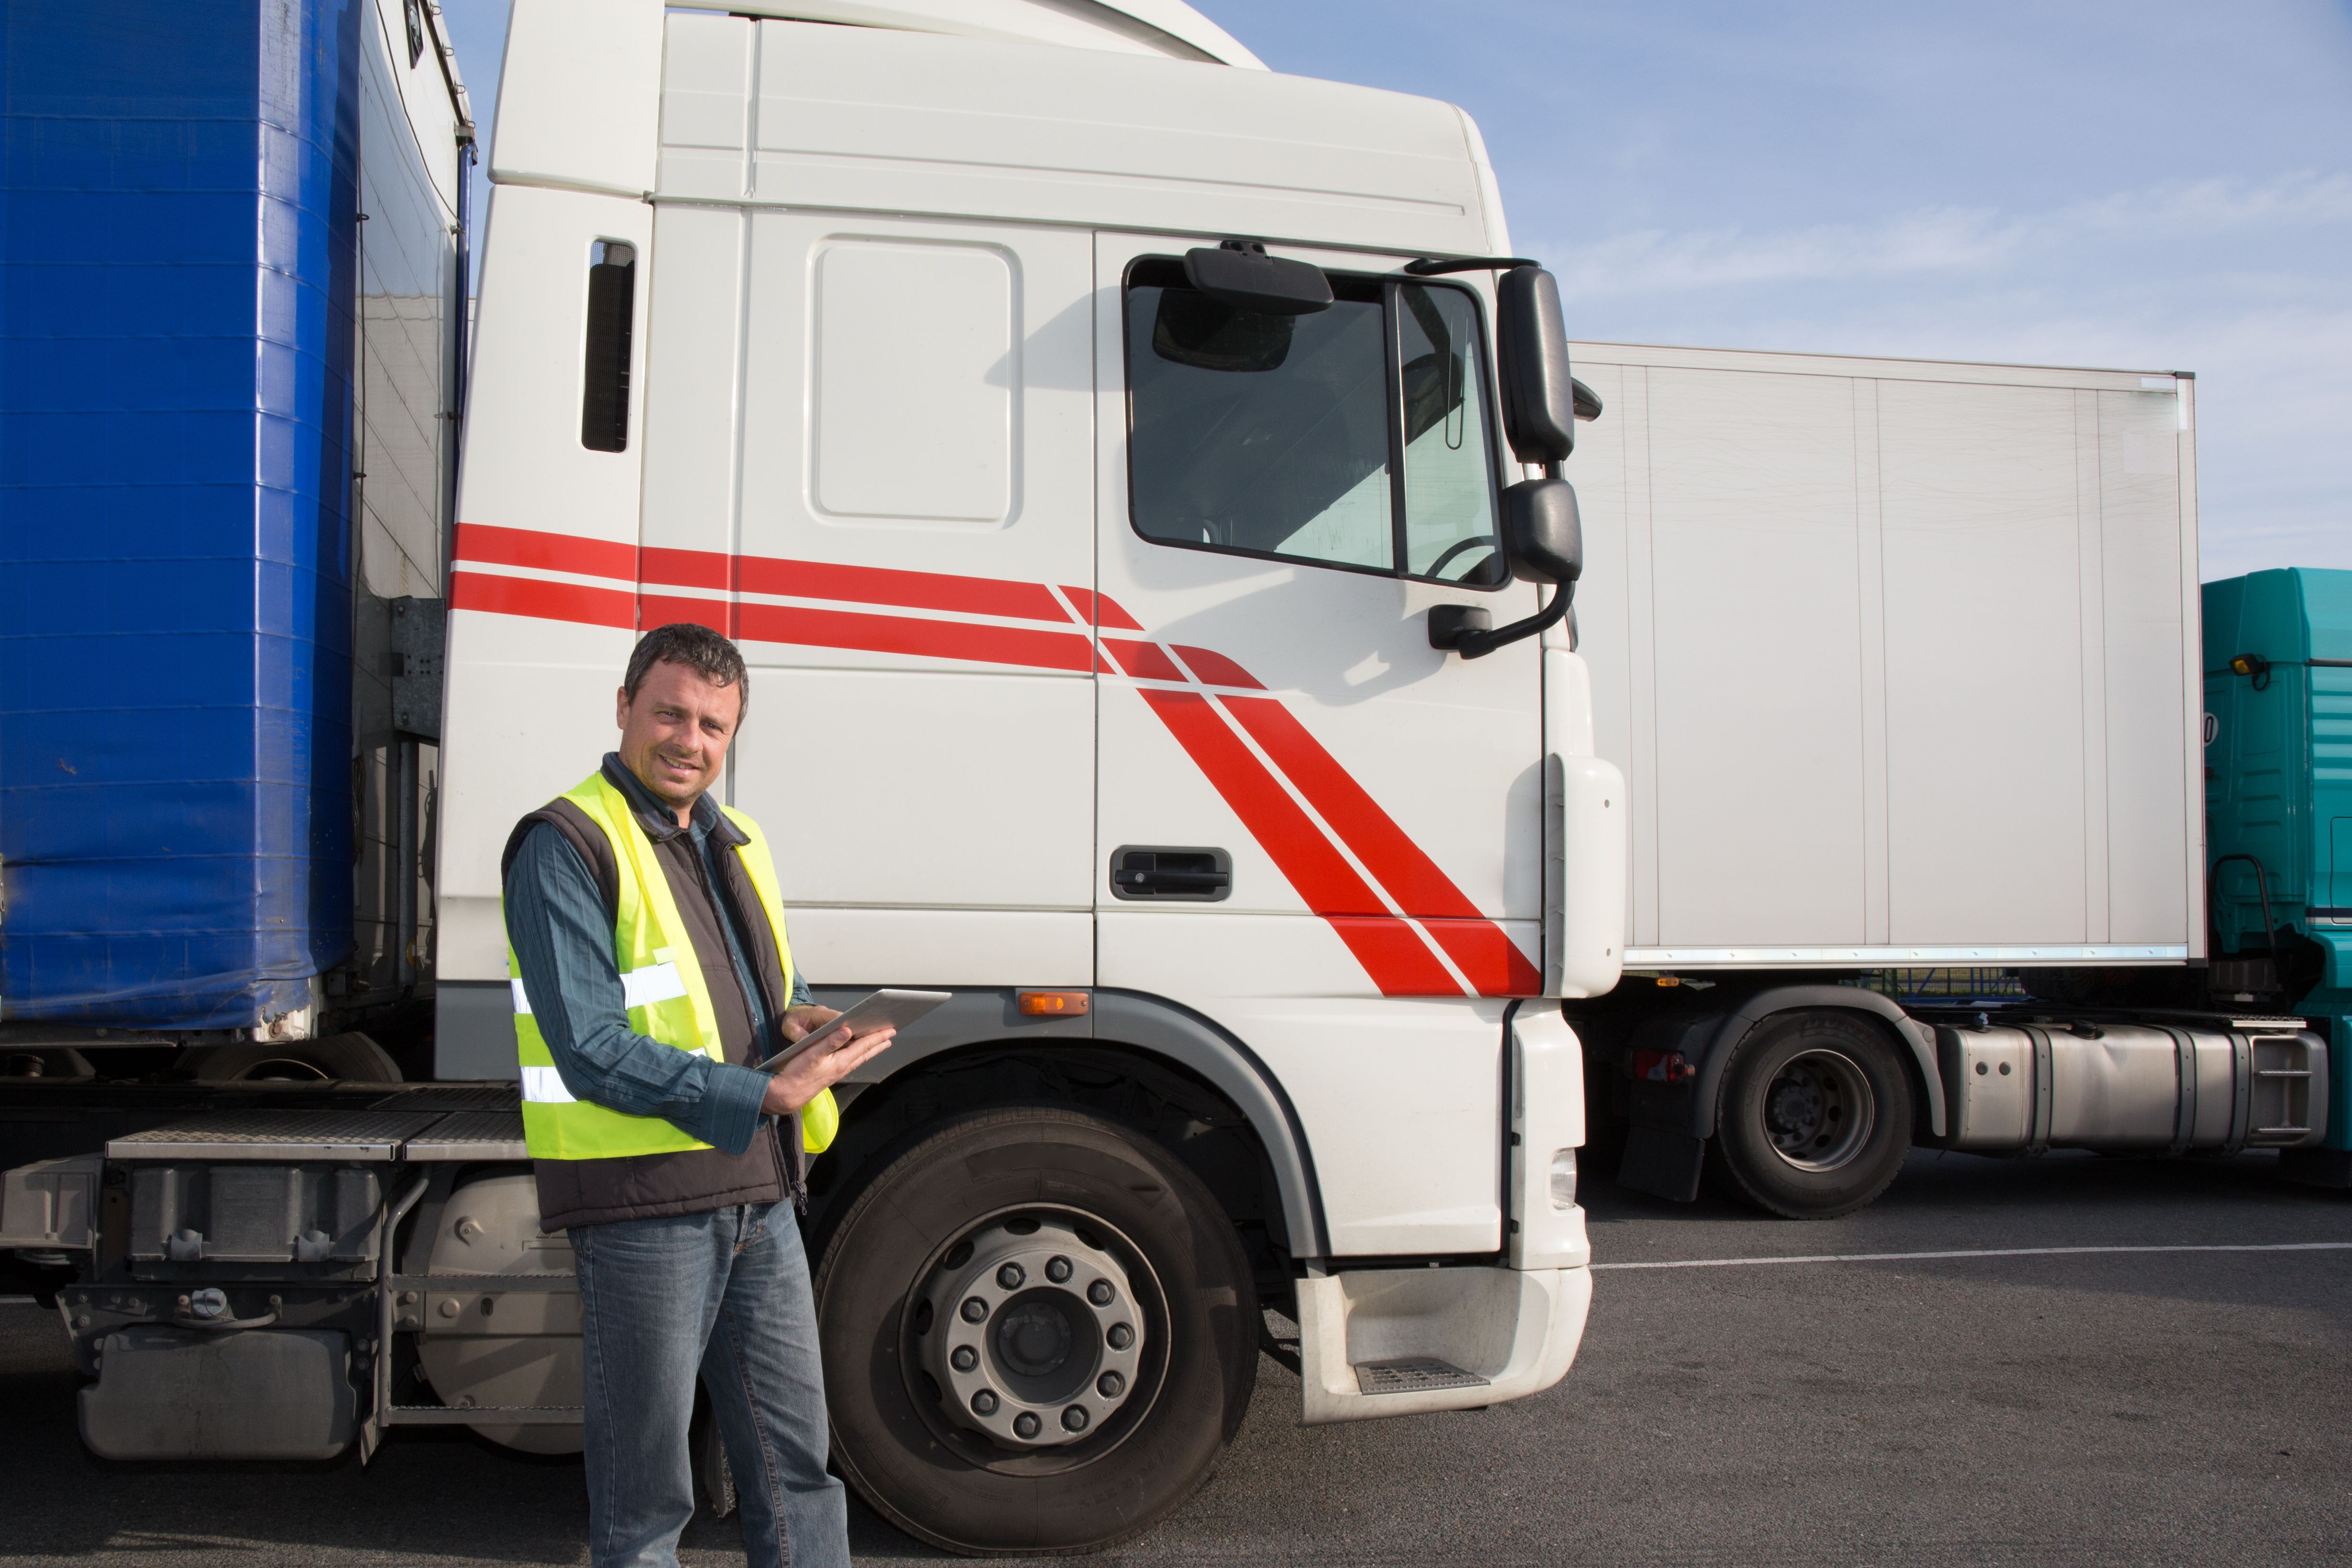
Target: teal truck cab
{"x":2278,"y":809}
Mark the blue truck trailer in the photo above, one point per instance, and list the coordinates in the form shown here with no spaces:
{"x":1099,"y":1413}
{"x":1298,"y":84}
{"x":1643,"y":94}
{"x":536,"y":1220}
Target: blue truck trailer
{"x":231,"y":313}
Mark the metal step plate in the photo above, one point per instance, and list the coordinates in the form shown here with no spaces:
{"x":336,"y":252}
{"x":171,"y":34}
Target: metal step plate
{"x":451,"y":1096}
{"x":471,"y":1135}
{"x":277,"y":1135}
{"x":1410,"y":1374}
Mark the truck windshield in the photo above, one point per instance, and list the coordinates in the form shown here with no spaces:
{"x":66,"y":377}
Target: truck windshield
{"x":1272,"y":436}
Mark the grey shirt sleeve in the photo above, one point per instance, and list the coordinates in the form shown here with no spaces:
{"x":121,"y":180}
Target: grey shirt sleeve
{"x":564,"y":941}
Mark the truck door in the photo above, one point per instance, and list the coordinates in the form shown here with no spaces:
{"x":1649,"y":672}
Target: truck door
{"x":1312,"y":826}
{"x":868,"y":458}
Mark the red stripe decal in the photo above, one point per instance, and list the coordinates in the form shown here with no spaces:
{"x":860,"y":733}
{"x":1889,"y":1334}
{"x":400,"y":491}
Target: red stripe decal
{"x":915,"y":637}
{"x":1396,"y":958}
{"x":1487,"y":957}
{"x":685,"y":568}
{"x":1145,"y":660}
{"x":492,"y":547}
{"x":1216,"y":669}
{"x":1492,"y":962}
{"x":909,"y":590}
{"x":663,"y":609}
{"x":1100,"y":610}
{"x":1411,"y":877}
{"x":543,"y":601}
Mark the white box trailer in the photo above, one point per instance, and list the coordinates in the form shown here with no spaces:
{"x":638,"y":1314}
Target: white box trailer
{"x":1899,"y":658}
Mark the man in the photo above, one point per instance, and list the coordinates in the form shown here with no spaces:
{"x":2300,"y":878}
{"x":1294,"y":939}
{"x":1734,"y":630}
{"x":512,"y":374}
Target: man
{"x":647,"y":943}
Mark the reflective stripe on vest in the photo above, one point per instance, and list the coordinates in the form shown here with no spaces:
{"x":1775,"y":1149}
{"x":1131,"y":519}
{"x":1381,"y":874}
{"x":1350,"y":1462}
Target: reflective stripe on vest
{"x":639,"y":987}
{"x":666,"y":999}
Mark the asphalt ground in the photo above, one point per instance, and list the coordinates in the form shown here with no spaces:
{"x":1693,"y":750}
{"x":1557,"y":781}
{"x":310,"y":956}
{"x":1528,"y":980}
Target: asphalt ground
{"x":2125,"y":1407}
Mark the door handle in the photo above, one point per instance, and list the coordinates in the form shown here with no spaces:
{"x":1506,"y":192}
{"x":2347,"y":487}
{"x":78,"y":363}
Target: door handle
{"x":1156,"y":871}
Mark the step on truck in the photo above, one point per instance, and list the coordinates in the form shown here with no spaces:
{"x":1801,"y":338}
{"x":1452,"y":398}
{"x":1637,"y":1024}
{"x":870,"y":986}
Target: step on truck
{"x":1154,"y":472}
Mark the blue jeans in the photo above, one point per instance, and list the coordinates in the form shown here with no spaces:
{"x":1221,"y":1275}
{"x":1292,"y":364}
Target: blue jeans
{"x":726,"y":1294}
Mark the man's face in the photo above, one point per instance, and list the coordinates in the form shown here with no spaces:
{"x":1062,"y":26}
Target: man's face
{"x":674,"y":734}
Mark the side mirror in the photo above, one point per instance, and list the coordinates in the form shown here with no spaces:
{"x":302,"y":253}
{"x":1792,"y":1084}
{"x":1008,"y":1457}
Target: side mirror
{"x":1544,"y":537}
{"x":1544,"y":532}
{"x":1540,"y":402}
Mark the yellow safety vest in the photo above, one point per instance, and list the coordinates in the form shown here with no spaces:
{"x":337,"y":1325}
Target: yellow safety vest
{"x":662,"y":985}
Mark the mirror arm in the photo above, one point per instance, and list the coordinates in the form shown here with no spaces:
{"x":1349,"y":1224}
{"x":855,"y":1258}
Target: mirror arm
{"x":1479,"y":644}
{"x":1428,"y":267}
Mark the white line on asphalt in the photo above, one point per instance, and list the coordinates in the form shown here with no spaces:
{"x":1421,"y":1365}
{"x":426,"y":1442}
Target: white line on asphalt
{"x":17,"y":1301}
{"x":1986,"y":1252}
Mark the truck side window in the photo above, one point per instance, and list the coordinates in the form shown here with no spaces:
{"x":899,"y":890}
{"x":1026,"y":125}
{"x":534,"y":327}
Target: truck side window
{"x":1261,"y":435}
{"x":1275,"y":435}
{"x":1449,"y":473}
{"x":604,"y":383}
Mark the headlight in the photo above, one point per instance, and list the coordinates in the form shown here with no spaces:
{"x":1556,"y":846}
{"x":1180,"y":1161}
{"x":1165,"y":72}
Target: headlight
{"x":1563,"y":1178}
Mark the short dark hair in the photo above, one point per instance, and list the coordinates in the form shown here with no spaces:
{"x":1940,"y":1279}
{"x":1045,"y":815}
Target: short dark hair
{"x":698,"y":649}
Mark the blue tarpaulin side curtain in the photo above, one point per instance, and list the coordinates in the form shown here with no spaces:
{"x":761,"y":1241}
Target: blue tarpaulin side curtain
{"x":178,"y":201}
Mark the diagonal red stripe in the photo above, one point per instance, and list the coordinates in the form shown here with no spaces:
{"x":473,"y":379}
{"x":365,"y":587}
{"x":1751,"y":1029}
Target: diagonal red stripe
{"x":1216,"y":669}
{"x":493,"y":546}
{"x":543,"y":601}
{"x":1396,"y":958}
{"x":1411,"y":877}
{"x":1481,"y":949}
{"x":1144,"y":660}
{"x":1101,"y":610}
{"x":1487,"y":957}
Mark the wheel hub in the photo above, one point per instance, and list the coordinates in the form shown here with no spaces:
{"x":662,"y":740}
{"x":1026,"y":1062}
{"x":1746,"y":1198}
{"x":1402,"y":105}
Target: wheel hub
{"x":1032,"y":1333}
{"x":1818,"y":1111}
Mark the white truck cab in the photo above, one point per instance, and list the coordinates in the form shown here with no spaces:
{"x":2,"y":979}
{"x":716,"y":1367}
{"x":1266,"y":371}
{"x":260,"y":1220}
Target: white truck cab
{"x":914,"y":347}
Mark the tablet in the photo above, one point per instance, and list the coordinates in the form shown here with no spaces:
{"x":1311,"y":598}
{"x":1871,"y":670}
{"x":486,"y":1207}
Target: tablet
{"x":883,"y":1009}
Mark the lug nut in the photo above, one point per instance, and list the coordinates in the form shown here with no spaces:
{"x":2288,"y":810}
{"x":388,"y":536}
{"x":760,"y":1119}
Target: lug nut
{"x":1100,"y":1293}
{"x":964,"y":1358}
{"x":1009,"y":1277}
{"x":1120,"y":1336}
{"x":1024,"y":1425}
{"x":1074,"y":1419}
{"x":1058,"y":1271}
{"x":984,"y":1403}
{"x":975,"y":1310}
{"x":1110,"y":1385}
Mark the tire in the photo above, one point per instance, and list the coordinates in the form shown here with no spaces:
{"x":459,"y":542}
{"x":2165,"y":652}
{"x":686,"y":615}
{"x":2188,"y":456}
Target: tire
{"x":1816,"y":1116}
{"x":896,"y":1271}
{"x":337,"y":1059}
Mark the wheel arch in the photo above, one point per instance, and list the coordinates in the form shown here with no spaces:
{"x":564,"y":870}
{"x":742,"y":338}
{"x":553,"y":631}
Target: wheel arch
{"x":1918,"y":1040}
{"x":1156,"y":1034}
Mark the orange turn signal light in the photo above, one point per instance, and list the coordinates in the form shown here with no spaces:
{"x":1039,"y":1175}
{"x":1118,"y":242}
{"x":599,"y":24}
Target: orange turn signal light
{"x":1054,"y":1004}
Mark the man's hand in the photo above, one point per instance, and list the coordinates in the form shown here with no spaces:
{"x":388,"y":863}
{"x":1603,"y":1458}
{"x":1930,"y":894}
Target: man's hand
{"x":823,"y":1065}
{"x":798,"y":1021}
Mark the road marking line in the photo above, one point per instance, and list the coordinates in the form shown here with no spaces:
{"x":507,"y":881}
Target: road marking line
{"x":1986,"y":1252}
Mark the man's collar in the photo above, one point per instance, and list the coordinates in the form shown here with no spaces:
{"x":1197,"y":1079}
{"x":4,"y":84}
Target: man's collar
{"x":658,"y":819}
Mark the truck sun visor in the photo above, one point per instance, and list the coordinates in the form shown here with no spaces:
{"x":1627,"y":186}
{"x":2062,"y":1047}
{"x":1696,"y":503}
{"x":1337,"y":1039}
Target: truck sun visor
{"x":1239,"y":274}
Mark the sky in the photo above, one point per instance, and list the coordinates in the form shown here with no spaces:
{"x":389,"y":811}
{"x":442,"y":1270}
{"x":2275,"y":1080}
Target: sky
{"x":2154,"y":185}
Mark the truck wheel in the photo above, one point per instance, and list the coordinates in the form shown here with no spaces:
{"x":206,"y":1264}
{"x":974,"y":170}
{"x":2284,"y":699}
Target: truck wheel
{"x":1040,"y":1333}
{"x":1816,"y":1116}
{"x":337,"y":1059}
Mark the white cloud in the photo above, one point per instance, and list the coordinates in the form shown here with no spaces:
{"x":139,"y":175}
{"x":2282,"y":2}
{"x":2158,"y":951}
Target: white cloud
{"x":1946,"y":239}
